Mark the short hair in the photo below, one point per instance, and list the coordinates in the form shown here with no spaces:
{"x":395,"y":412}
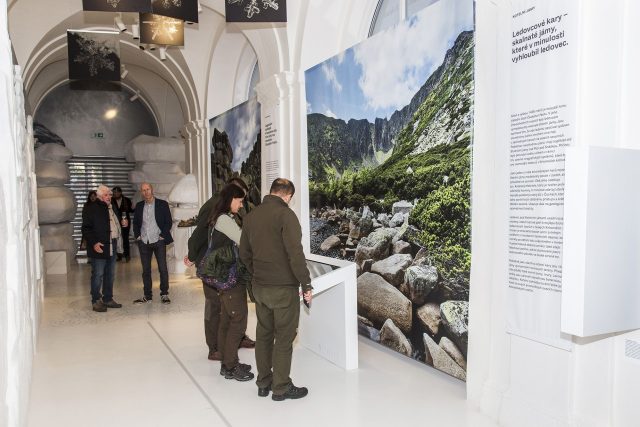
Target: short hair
{"x":117,"y":188}
{"x":146,"y":183}
{"x":283,"y":187}
{"x":102,"y":190}
{"x":239,"y":182}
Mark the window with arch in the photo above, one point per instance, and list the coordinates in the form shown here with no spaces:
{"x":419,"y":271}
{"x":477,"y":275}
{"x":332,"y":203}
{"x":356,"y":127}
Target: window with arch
{"x":390,"y":12}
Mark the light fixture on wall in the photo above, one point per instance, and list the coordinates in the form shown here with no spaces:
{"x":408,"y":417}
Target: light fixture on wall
{"x":135,"y":29}
{"x":135,"y":96}
{"x":123,"y":72}
{"x":163,"y":52}
{"x":119,"y":23}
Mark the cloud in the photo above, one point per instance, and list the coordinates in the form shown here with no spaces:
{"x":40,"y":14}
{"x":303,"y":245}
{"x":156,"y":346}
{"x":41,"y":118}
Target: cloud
{"x":242,"y":124}
{"x":330,"y":74}
{"x":309,"y":110}
{"x":330,"y":113}
{"x":394,"y":62}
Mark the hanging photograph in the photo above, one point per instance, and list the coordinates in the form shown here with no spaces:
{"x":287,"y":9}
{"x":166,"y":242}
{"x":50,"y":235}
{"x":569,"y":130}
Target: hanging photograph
{"x":140,"y":6}
{"x":255,"y":10}
{"x":186,"y":10}
{"x":161,"y":30}
{"x":235,"y":148}
{"x":93,"y":55}
{"x":389,"y":129}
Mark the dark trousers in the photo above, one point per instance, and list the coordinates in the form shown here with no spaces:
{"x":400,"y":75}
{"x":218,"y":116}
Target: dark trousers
{"x":102,"y":275}
{"x":125,"y":241}
{"x":278,"y":312}
{"x":159,"y":249}
{"x":211,"y":317}
{"x":233,"y":323}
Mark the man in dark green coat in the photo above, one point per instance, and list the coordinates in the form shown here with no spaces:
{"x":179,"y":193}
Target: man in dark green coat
{"x":271,"y":249}
{"x":198,"y":243}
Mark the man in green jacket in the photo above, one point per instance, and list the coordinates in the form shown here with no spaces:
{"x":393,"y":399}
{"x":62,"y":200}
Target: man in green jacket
{"x":198,"y":243}
{"x":271,"y":249}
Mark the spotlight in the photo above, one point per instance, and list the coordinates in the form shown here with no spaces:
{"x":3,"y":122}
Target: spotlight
{"x":135,"y":96}
{"x":135,"y":30}
{"x":199,"y":8}
{"x":123,"y":72}
{"x":120,"y":24}
{"x":163,"y":52}
{"x":141,"y":46}
{"x":151,"y":46}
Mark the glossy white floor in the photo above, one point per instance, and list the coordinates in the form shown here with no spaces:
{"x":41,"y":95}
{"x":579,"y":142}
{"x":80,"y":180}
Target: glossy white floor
{"x":147,"y":366}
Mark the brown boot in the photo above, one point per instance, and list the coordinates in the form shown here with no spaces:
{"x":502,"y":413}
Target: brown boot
{"x":247,"y":342}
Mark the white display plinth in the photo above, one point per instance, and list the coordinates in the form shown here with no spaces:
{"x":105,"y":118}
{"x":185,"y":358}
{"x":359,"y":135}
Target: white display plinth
{"x":56,"y":262}
{"x":601,"y":246}
{"x":180,"y":248}
{"x":330,"y":327}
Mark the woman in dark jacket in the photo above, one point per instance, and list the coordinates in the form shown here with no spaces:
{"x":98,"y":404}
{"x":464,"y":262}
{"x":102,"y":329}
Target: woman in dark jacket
{"x":231,"y":281}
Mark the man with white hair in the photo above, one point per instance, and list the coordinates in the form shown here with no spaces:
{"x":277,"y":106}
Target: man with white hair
{"x":101,"y":229}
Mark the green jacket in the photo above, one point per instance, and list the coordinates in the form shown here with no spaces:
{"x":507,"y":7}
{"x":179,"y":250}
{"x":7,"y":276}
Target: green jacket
{"x":271,"y":245}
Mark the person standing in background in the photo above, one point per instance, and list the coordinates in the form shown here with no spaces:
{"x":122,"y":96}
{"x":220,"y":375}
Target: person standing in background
{"x":122,"y":207}
{"x":152,"y":229}
{"x":101,"y":229}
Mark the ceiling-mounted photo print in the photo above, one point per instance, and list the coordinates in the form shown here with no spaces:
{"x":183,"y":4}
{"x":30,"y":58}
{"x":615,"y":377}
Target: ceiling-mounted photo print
{"x":158,"y":29}
{"x":140,"y":6}
{"x":187,"y":10}
{"x":93,"y":55}
{"x":255,"y":10}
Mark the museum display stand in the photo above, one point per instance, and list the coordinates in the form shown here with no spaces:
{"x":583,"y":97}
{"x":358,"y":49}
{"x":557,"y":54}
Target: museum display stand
{"x":329,"y":327}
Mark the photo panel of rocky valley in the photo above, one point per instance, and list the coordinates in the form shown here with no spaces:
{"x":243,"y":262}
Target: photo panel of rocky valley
{"x":389,"y":129}
{"x":235,"y":148}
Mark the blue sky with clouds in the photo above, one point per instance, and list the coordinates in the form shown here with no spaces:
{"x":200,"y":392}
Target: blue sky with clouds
{"x":242,"y":124}
{"x":381,"y":74}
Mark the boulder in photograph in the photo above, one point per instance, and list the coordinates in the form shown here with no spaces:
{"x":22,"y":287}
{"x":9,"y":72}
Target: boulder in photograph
{"x":378,"y":301}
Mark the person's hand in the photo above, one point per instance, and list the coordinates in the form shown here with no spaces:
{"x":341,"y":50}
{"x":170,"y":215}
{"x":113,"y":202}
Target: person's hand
{"x":307,"y":296}
{"x":98,"y":247}
{"x":124,"y":222}
{"x":187,"y":262}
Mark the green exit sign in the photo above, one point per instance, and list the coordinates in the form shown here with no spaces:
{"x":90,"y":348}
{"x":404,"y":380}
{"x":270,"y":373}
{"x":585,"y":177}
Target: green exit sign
{"x":97,"y":135}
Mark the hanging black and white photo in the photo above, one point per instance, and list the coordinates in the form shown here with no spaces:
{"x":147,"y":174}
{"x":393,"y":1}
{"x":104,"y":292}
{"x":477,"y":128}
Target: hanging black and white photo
{"x":187,"y":10}
{"x":255,"y":10}
{"x":93,"y":55}
{"x":140,"y":6}
{"x":161,"y":30}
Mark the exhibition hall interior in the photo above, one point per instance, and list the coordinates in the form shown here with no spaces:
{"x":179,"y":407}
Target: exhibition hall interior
{"x":460,"y":168}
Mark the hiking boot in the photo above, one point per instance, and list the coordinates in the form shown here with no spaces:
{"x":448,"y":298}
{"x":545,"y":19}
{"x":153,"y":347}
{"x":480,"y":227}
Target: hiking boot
{"x":214,"y":355}
{"x":247,"y":342}
{"x":99,"y":306}
{"x":165,"y":299}
{"x":113,"y":304}
{"x":237,"y":374}
{"x":142,"y":300}
{"x":264,"y":391}
{"x":292,"y":392}
{"x":243,"y":366}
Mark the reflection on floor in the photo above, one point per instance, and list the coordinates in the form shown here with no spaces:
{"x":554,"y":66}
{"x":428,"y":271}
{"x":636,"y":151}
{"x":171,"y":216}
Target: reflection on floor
{"x":146,"y":365}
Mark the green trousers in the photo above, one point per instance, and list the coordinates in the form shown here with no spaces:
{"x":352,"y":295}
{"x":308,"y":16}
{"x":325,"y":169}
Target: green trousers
{"x":278,"y":312}
{"x":233,"y":324}
{"x":211,"y":317}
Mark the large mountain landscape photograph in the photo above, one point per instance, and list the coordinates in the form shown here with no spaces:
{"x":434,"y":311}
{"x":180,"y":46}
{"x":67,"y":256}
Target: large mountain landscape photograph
{"x":389,"y":132}
{"x":235,"y":147}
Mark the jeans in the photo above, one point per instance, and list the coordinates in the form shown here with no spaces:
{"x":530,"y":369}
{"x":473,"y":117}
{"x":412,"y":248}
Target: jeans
{"x":146,"y":251}
{"x":125,"y":241}
{"x":102,"y":275}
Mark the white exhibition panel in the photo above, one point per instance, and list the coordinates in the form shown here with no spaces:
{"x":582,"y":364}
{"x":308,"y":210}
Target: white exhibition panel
{"x":601,"y":247}
{"x":330,"y":327}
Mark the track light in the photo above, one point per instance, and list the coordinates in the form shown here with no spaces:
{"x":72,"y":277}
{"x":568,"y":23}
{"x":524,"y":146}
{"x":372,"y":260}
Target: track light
{"x":163,"y":52}
{"x":151,"y":46}
{"x":135,"y":30}
{"x":123,"y":72}
{"x":120,"y":24}
{"x":135,"y":96}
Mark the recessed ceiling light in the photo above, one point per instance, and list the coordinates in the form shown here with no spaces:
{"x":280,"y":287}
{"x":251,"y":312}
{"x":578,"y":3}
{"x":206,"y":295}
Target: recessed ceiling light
{"x":110,"y":113}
